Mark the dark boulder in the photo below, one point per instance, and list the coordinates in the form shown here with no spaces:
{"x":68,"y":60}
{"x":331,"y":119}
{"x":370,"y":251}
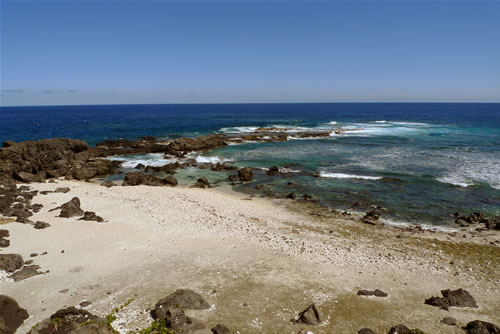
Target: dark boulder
{"x":26,"y":272}
{"x":273,"y":171}
{"x":291,"y":195}
{"x":12,"y":316}
{"x":91,"y":216}
{"x":181,"y":299}
{"x":71,"y":208}
{"x":204,"y":143}
{"x":449,"y":321}
{"x":223,"y":168}
{"x":175,"y":319}
{"x":233,"y":178}
{"x":11,"y":262}
{"x":455,"y":298}
{"x":245,"y":174}
{"x":41,"y":225}
{"x":72,"y":321}
{"x":400,"y":329}
{"x":371,"y":217}
{"x":220,"y":329}
{"x":310,"y":316}
{"x":107,"y":184}
{"x":202,"y":182}
{"x":62,"y":190}
{"x":168,"y":168}
{"x":482,"y":327}
{"x":376,"y":293}
{"x":4,"y":234}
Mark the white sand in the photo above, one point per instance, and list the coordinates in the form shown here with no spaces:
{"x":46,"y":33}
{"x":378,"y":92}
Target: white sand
{"x":256,"y":261}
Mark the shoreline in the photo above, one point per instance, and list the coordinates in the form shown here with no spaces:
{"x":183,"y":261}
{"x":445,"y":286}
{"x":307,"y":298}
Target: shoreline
{"x":274,"y":255}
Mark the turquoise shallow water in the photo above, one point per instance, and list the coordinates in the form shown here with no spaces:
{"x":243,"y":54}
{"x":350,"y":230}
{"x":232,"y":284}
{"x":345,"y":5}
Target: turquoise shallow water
{"x":420,"y":161}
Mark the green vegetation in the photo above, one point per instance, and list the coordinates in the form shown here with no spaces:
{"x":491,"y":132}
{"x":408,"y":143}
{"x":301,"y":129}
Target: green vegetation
{"x":157,"y":327}
{"x":56,"y":322}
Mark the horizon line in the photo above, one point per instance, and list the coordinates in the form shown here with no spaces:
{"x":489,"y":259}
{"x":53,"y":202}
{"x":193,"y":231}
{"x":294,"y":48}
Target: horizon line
{"x":241,"y":103}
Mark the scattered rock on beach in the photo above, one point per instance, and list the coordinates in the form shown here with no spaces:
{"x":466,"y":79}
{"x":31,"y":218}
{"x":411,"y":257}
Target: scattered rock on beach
{"x":455,"y":298}
{"x":291,"y":196}
{"x":202,"y":182}
{"x":449,"y":321}
{"x":310,"y":316}
{"x":91,"y":216}
{"x":107,"y":184}
{"x":376,"y":293}
{"x":71,"y":208}
{"x":183,"y":299}
{"x":482,"y":327}
{"x":4,"y":242}
{"x":371,"y":217}
{"x":41,"y":225}
{"x":62,"y":190}
{"x":11,"y":262}
{"x":11,"y":315}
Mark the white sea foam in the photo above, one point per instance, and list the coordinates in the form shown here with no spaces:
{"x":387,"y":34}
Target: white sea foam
{"x":239,"y":129}
{"x":455,"y":181}
{"x":212,"y":160}
{"x":150,"y":159}
{"x":348,"y":176}
{"x":332,"y":123}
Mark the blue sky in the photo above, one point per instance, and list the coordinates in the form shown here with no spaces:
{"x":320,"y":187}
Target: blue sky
{"x":96,"y":52}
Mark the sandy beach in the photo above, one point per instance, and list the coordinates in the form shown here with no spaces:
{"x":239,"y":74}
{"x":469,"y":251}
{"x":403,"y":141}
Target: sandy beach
{"x":258,"y":262}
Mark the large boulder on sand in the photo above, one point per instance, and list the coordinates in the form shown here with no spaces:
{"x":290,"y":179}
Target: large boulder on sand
{"x":71,"y":208}
{"x":11,"y":315}
{"x":456,"y":298}
{"x":71,"y":321}
{"x":183,"y":299}
{"x":482,"y":327}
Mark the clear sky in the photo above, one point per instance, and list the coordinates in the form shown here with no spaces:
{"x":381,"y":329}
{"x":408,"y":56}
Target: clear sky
{"x":97,"y":52}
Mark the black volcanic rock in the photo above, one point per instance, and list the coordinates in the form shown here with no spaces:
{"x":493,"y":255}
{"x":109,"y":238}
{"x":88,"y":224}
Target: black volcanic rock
{"x":12,"y":316}
{"x":455,"y":298}
{"x":71,"y":208}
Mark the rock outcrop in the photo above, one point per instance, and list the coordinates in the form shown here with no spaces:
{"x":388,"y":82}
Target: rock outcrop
{"x":138,"y":178}
{"x":455,"y":298}
{"x":12,"y":316}
{"x":181,"y":299}
{"x":482,"y":327}
{"x":310,"y":316}
{"x":71,"y":321}
{"x":11,"y":262}
{"x":245,"y":174}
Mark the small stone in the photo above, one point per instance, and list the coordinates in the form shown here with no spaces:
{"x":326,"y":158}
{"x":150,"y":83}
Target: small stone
{"x":449,"y":321}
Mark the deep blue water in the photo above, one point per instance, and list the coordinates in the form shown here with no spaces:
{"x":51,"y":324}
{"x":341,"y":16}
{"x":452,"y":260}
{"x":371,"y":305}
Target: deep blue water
{"x":421,"y":161}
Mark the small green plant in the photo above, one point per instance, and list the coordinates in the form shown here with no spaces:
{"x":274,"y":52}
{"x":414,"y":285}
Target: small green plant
{"x":157,"y":327}
{"x":56,"y":321}
{"x":110,"y":318}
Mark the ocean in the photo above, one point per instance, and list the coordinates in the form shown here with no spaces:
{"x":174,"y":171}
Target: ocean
{"x":419,"y":161}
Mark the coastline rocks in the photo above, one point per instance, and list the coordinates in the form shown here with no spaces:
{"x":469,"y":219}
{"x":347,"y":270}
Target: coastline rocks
{"x":139,"y":178}
{"x":204,"y":143}
{"x":202,"y":182}
{"x":476,"y":218}
{"x":168,"y":168}
{"x":245,"y":174}
{"x":376,"y":293}
{"x":291,"y":196}
{"x":11,"y":315}
{"x":11,"y":262}
{"x":371,"y":217}
{"x":455,"y":298}
{"x":91,"y":216}
{"x":3,"y":241}
{"x":273,"y":171}
{"x":181,"y":299}
{"x":71,"y":208}
{"x":482,"y":327}
{"x":310,"y":316}
{"x":71,"y":321}
{"x":223,"y":168}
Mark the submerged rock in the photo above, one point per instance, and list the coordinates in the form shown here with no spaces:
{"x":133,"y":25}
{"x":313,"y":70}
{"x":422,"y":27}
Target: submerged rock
{"x":455,"y":298}
{"x":245,"y":174}
{"x":273,"y":171}
{"x":12,"y":316}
